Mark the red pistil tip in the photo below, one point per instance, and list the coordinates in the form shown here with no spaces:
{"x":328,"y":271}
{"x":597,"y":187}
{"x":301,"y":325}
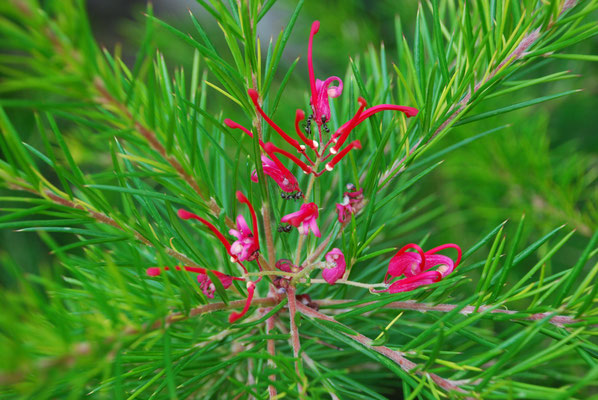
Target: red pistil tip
{"x":241,"y":197}
{"x":230,"y":123}
{"x":184,"y":214}
{"x":315,"y":27}
{"x":153,"y":271}
{"x":253,"y":94}
{"x":362,"y":101}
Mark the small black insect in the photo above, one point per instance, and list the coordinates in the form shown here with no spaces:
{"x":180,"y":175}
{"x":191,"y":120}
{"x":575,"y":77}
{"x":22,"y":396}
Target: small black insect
{"x":291,"y":196}
{"x":307,"y":125}
{"x":284,"y":228}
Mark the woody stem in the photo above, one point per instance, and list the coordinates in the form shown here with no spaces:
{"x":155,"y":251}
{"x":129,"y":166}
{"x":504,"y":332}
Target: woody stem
{"x":305,"y":271}
{"x":352,"y":283}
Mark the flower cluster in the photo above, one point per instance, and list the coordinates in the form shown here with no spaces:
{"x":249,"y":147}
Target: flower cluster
{"x":332,"y":151}
{"x":316,"y":146}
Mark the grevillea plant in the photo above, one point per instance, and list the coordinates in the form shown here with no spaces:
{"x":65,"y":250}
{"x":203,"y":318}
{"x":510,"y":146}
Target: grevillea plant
{"x":214,"y":237}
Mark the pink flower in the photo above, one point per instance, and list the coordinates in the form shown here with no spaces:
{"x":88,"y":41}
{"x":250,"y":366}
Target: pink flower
{"x":283,"y":178}
{"x":206,"y":285}
{"x":417,"y":267}
{"x":245,"y":247}
{"x":304,"y":219}
{"x":352,"y":204}
{"x":285,"y":265}
{"x":335,"y":266}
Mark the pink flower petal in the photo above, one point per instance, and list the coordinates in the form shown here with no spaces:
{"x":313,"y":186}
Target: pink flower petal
{"x":446,"y":264}
{"x":413,"y":282}
{"x":408,"y":264}
{"x":336,"y":259}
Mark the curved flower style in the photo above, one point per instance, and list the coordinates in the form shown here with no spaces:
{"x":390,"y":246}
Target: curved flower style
{"x":304,"y":219}
{"x":335,"y":266}
{"x":234,"y":316}
{"x":285,"y":180}
{"x":245,"y":248}
{"x":417,"y":267}
{"x":205,"y":283}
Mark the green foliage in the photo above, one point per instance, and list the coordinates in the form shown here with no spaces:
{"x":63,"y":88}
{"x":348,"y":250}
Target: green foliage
{"x":98,"y":154}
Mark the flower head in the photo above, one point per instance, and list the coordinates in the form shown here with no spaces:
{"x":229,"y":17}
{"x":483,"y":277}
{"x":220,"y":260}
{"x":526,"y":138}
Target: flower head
{"x":417,"y":267}
{"x":245,"y":247}
{"x":286,"y":265}
{"x":335,"y":266}
{"x":352,"y":204}
{"x":283,"y":178}
{"x":206,"y":285}
{"x":304,"y":219}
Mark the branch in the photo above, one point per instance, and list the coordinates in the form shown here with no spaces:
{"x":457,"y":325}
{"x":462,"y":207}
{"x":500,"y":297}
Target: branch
{"x":104,"y":219}
{"x":557,"y":320}
{"x":396,"y":356}
{"x":150,"y":136}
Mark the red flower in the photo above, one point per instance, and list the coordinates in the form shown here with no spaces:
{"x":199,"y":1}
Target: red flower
{"x":417,"y":267}
{"x":304,"y":219}
{"x":352,"y":204}
{"x":335,"y":266}
{"x":285,"y":180}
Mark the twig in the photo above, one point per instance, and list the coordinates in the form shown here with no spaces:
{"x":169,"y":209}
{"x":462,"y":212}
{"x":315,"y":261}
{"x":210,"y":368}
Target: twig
{"x":150,"y":136}
{"x":396,"y":356}
{"x":199,"y":310}
{"x":104,"y":219}
{"x":351,"y":283}
{"x":557,"y":320}
{"x":519,"y":52}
